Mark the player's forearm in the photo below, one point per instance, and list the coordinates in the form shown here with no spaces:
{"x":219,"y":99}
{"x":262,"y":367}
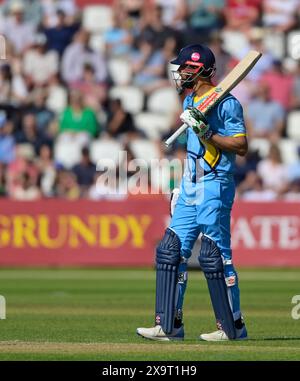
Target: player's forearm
{"x":237,"y":144}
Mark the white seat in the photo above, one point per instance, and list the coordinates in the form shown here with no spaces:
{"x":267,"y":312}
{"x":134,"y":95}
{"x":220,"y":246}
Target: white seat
{"x":293,"y":125}
{"x":144,"y":149}
{"x":97,"y":18}
{"x":275,"y":43}
{"x":293,"y":44}
{"x":57,"y":99}
{"x":67,"y":155}
{"x":260,"y":145}
{"x":132,"y":98}
{"x":152,"y":124}
{"x":120,"y":71}
{"x":234,"y":42}
{"x":97,"y":42}
{"x":289,"y":151}
{"x":164,"y":100}
{"x":106,"y":153}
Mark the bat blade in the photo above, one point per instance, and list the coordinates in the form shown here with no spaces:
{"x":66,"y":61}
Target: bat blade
{"x":237,"y":74}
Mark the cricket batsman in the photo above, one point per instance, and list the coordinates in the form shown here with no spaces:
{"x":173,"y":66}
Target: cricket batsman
{"x":204,"y":206}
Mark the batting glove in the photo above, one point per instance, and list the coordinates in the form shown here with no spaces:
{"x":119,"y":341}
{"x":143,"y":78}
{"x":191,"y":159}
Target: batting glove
{"x":196,"y":120}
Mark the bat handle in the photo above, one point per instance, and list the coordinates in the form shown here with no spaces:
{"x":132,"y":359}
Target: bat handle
{"x":173,"y":137}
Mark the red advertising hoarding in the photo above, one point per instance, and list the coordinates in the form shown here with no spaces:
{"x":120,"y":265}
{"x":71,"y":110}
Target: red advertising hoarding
{"x":124,"y":233}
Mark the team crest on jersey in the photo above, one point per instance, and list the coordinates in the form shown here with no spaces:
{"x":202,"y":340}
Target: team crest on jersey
{"x":195,"y":56}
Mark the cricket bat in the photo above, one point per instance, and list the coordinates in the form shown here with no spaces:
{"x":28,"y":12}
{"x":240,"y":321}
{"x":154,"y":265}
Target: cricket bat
{"x":217,"y":93}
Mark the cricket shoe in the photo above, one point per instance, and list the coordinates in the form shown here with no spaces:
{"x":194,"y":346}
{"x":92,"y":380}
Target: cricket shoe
{"x":220,"y":335}
{"x":157,"y":333}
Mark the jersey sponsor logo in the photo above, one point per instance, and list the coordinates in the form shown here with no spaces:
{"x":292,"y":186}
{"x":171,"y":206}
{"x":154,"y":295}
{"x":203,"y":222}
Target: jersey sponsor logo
{"x":195,"y":56}
{"x":208,"y":101}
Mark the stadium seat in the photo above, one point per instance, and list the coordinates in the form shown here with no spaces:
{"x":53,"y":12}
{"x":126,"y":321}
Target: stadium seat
{"x":67,"y":155}
{"x":275,"y":43}
{"x":101,"y":150}
{"x":57,"y":99}
{"x":260,"y":145}
{"x":293,"y":44}
{"x":97,"y":42}
{"x":120,"y":71}
{"x":97,"y":18}
{"x":164,"y":100}
{"x":293,"y":125}
{"x":153,"y":125}
{"x":132,"y":97}
{"x":289,"y":151}
{"x":145,"y":149}
{"x":234,"y":43}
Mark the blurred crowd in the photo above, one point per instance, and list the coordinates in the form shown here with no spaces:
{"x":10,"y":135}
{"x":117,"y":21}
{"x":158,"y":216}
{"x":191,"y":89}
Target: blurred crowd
{"x":60,"y":88}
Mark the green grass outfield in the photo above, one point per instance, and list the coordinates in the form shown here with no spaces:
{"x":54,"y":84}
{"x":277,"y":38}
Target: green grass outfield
{"x":92,"y":314}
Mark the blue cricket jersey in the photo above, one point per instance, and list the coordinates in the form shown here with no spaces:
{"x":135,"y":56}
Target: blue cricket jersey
{"x":205,"y":161}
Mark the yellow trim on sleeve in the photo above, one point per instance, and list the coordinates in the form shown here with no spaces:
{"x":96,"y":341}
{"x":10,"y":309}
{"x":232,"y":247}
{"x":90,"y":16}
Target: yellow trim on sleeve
{"x":237,"y":135}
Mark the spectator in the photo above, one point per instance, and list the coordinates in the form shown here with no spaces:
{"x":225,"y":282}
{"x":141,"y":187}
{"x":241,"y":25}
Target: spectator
{"x":94,"y":94}
{"x":118,"y":39}
{"x":205,"y":16}
{"x":148,"y":67}
{"x":243,"y":166}
{"x":272,"y":171}
{"x":22,"y":165}
{"x":7,"y":141}
{"x":78,"y":120}
{"x":30,"y":134}
{"x":133,"y":10}
{"x":85,"y":171}
{"x":293,"y":173}
{"x":264,"y":117}
{"x":155,"y":31}
{"x":77,"y":54}
{"x":13,"y":89}
{"x":256,"y":191}
{"x":19,"y":32}
{"x":66,"y":185}
{"x":280,"y":85}
{"x":174,"y":13}
{"x":26,"y":189}
{"x":47,"y":170}
{"x":280,"y":15}
{"x":293,"y":193}
{"x":39,"y":64}
{"x":60,"y":35}
{"x":242,"y":14}
{"x":32,"y":10}
{"x":222,"y":57}
{"x":44,"y":116}
{"x":120,"y":122}
{"x":51,"y":7}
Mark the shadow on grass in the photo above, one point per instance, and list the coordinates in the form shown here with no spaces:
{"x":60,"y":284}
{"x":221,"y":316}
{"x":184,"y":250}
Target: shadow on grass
{"x":280,"y":338}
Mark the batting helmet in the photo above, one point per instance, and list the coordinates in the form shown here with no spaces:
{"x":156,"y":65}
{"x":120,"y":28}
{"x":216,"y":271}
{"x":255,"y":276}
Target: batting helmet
{"x":194,"y":61}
